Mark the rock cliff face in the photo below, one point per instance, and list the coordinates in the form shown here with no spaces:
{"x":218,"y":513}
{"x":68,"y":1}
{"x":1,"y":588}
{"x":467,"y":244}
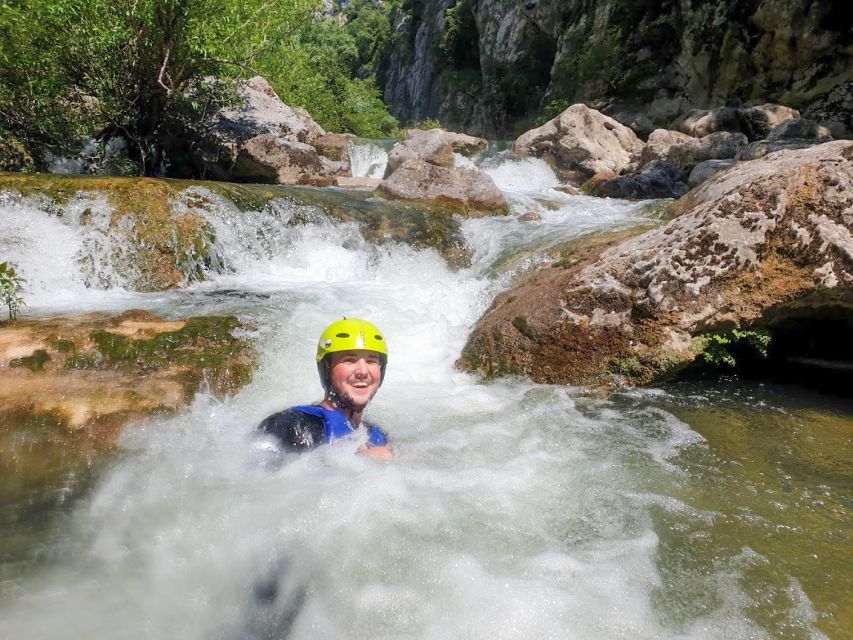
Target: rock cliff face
{"x":483,"y":66}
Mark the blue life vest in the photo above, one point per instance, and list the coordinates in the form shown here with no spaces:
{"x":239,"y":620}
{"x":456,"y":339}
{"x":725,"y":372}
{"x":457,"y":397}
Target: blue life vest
{"x":337,"y":426}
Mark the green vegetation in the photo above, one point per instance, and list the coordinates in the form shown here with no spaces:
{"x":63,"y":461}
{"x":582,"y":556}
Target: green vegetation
{"x":720,"y":349}
{"x":427,"y":123}
{"x":146,"y":70}
{"x":11,"y":285}
{"x":326,"y":70}
{"x":34,"y":362}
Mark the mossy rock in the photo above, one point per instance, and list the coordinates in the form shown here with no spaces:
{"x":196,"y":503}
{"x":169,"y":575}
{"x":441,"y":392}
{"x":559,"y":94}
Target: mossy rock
{"x":171,"y":244}
{"x":95,"y":372}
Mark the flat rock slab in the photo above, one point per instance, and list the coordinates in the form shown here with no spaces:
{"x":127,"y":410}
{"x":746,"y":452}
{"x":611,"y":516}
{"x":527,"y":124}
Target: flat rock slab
{"x":750,"y":242}
{"x":95,"y":372}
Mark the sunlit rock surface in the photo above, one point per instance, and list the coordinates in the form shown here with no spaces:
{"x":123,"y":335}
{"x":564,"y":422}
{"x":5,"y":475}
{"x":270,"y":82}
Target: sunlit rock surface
{"x":95,"y":372}
{"x":435,"y":146}
{"x":685,"y":151}
{"x":753,"y":122}
{"x":748,"y":244}
{"x":465,"y":190}
{"x":580,"y":143}
{"x":261,"y":139}
{"x":422,"y":168}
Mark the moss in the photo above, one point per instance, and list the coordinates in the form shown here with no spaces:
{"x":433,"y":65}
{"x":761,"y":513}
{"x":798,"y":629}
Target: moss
{"x":34,"y":362}
{"x":663,"y":210}
{"x":83,"y":361}
{"x":62,"y":345}
{"x":204,"y":349}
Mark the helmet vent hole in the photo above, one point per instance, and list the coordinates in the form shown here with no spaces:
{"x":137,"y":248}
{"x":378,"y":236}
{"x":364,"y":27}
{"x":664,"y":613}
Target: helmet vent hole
{"x":377,"y":337}
{"x":342,"y":335}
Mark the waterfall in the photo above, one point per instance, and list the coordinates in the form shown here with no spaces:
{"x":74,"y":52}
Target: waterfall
{"x":368,"y":158}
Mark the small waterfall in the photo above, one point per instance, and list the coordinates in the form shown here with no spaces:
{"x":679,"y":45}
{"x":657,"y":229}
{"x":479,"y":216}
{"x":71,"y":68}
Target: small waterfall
{"x":367,"y":159}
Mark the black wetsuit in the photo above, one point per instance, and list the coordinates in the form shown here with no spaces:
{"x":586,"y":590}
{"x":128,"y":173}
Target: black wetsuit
{"x":303,"y":428}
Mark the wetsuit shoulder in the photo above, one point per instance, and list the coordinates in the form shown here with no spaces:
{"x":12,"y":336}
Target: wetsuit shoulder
{"x":295,"y":430}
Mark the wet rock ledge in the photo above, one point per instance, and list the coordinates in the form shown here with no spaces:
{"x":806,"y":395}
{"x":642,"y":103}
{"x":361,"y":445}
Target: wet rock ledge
{"x":749,"y":248}
{"x":95,"y":372}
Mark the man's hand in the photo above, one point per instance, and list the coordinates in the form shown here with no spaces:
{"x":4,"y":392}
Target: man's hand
{"x":383,"y":453}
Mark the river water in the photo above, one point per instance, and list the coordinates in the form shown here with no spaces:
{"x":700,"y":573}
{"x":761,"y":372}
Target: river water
{"x":512,"y":510}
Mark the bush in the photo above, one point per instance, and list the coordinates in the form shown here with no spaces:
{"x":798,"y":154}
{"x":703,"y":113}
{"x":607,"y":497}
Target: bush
{"x":11,"y":285}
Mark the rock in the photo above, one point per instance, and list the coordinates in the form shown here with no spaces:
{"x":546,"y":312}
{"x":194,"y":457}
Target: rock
{"x":333,"y":146}
{"x":470,"y":190}
{"x":647,"y":62}
{"x":580,"y":143}
{"x":754,"y":122}
{"x":761,"y":148}
{"x":261,"y":139}
{"x":800,"y":128}
{"x":160,"y":239}
{"x":96,"y":372}
{"x":685,"y":151}
{"x":156,"y":234}
{"x":835,"y":111}
{"x":706,"y":169}
{"x":357,"y":183}
{"x":749,"y":245}
{"x":435,"y":146}
{"x":530,"y":216}
{"x":657,"y":179}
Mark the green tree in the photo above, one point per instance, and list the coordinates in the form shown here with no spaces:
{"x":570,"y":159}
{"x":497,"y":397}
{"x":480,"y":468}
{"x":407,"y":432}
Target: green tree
{"x":316,"y":70}
{"x":134,"y":67}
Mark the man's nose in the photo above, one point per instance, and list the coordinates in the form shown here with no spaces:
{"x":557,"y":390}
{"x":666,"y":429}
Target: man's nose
{"x":361,"y":367}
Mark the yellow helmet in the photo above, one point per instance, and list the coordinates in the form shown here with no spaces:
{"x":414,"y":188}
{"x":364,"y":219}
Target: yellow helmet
{"x":346,"y":335}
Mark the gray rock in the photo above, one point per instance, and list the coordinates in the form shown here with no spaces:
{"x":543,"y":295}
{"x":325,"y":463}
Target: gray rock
{"x":261,"y":139}
{"x":835,"y":111}
{"x":761,"y":148}
{"x":467,"y":190}
{"x":800,"y":128}
{"x":657,"y":179}
{"x":435,"y":146}
{"x":685,"y":151}
{"x":580,"y":143}
{"x":754,"y":122}
{"x":706,"y":169}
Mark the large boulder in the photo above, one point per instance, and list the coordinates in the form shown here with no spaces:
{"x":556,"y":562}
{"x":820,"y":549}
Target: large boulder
{"x":657,"y":179}
{"x":800,"y":128}
{"x":761,"y":148}
{"x":466,"y":189}
{"x":754,"y":122}
{"x":580,"y":143}
{"x":749,"y":244}
{"x":261,"y":139}
{"x":95,"y":372}
{"x":685,"y":151}
{"x":435,"y":146}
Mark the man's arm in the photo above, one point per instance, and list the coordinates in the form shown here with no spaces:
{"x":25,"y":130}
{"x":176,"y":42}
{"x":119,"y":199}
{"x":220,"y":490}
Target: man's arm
{"x":294,"y":430}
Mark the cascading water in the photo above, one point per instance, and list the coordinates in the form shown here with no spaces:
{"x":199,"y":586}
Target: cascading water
{"x":512,"y":510}
{"x":368,"y":158}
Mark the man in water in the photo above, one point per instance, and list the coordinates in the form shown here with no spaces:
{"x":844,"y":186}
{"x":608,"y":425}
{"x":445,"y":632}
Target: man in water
{"x":351,"y":360}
